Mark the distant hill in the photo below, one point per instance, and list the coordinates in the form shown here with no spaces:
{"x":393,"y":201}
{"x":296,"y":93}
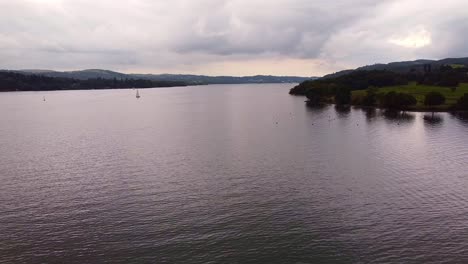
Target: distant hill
{"x":396,"y":85}
{"x":80,"y":75}
{"x":17,"y":81}
{"x":186,"y":78}
{"x":203,"y":79}
{"x":404,"y":66}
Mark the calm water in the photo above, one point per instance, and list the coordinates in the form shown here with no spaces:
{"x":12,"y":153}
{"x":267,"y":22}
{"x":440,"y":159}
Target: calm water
{"x":227,"y":174}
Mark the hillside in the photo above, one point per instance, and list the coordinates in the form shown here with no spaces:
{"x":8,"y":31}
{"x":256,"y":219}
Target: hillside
{"x":186,"y":78}
{"x":14,"y":81}
{"x":419,"y":92}
{"x":203,"y":79}
{"x":417,"y":85}
{"x":404,"y":66}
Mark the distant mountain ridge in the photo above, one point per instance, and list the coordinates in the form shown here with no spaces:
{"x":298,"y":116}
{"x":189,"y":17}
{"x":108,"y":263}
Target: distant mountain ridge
{"x":404,"y":66}
{"x":19,"y":81}
{"x":187,"y":78}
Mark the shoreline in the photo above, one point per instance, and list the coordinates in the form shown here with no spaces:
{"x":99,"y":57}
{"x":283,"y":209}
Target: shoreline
{"x":131,"y":88}
{"x":98,"y":89}
{"x":388,"y":109}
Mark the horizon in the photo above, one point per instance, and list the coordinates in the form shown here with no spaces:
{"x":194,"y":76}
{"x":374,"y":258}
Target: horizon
{"x":201,"y":74}
{"x":227,"y":38}
{"x":150,"y":73}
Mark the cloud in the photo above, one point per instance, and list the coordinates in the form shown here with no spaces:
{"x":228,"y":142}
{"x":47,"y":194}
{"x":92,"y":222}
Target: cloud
{"x":294,"y":37}
{"x":402,"y":30}
{"x":415,"y":38}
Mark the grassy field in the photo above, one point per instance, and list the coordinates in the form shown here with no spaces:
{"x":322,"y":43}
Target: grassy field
{"x":419,"y":91}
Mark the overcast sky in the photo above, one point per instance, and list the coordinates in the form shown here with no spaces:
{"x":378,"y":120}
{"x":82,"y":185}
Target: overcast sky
{"x":229,"y":37}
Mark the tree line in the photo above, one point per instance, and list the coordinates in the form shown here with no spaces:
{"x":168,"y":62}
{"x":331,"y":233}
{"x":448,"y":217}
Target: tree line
{"x":356,"y":80}
{"x":391,"y":100}
{"x":12,"y":81}
{"x":338,"y":89}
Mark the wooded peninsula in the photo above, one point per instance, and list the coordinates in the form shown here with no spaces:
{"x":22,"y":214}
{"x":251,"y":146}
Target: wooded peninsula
{"x":45,"y":80}
{"x":418,"y":87}
{"x":11,"y":81}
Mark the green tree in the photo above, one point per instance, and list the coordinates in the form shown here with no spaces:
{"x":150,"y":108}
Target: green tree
{"x":389,"y":100}
{"x":434,"y":99}
{"x":343,"y":96}
{"x":399,"y":101}
{"x":406,"y":100}
{"x":462,"y":102}
{"x":314,"y":96}
{"x":371,"y":97}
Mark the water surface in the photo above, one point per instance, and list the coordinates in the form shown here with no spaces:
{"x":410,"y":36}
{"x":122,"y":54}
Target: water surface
{"x":227,"y":174}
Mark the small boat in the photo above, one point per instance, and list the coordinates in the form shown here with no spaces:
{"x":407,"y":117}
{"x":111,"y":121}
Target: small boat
{"x":137,"y":94}
{"x":43,"y":98}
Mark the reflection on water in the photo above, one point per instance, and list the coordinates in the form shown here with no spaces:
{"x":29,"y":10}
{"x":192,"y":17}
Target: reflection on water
{"x":370,"y":113}
{"x":342,"y":110}
{"x":227,"y":174}
{"x":398,"y":116}
{"x":461,"y":116}
{"x":390,"y":116}
{"x":433,"y":119}
{"x":317,"y":108}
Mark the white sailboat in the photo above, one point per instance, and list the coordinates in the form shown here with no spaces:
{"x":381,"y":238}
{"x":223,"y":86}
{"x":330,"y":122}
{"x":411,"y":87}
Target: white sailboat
{"x":137,"y":94}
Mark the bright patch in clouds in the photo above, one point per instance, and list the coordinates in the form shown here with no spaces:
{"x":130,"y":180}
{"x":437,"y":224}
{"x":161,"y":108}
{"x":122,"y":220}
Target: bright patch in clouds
{"x":417,"y":39}
{"x":228,"y":37}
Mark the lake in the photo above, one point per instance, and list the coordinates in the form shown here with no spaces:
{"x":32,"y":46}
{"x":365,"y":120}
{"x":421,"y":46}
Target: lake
{"x":227,"y":174}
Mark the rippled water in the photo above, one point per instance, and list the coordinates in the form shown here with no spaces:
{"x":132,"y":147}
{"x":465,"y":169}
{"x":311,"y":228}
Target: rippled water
{"x":227,"y":174}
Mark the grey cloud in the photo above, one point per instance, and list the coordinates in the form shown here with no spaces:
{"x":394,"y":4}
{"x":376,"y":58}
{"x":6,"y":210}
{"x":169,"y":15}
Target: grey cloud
{"x":367,"y":40}
{"x":190,"y":35}
{"x":293,"y":28}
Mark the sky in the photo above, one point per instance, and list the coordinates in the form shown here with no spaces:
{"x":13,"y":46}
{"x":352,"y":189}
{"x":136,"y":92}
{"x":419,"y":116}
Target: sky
{"x":228,"y":37}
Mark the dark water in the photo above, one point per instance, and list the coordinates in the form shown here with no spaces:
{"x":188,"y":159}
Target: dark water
{"x":227,"y":174}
